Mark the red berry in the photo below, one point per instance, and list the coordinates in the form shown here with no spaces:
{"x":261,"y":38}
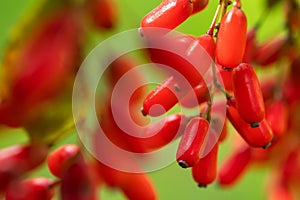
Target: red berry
{"x":248,"y":94}
{"x":208,"y":43}
{"x":33,"y":189}
{"x":188,"y":152}
{"x":169,"y":14}
{"x":270,"y":51}
{"x":139,"y":186}
{"x":17,"y":160}
{"x":171,"y":128}
{"x":183,"y":54}
{"x":205,"y":171}
{"x":231,"y":40}
{"x":62,"y":158}
{"x":77,"y":183}
{"x":163,"y":97}
{"x":233,"y":168}
{"x":256,"y":137}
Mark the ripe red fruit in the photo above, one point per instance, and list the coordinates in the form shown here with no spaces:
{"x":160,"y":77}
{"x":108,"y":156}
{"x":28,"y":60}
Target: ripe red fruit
{"x":261,"y":136}
{"x":166,"y":95}
{"x":248,"y":94}
{"x":48,"y":58}
{"x":188,"y":152}
{"x":183,"y":55}
{"x":17,"y":160}
{"x":62,"y":158}
{"x":142,"y":140}
{"x":33,"y":189}
{"x":169,"y":14}
{"x":234,"y":166}
{"x":199,"y":5}
{"x":205,"y":171}
{"x":231,"y":41}
{"x":270,"y":51}
{"x":171,"y":128}
{"x":208,"y":43}
{"x":77,"y":183}
{"x":134,"y":186}
{"x":139,"y":186}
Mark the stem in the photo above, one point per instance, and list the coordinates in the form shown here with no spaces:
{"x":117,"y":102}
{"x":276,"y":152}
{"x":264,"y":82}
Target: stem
{"x":224,"y":5}
{"x":218,"y":85}
{"x":214,"y":21}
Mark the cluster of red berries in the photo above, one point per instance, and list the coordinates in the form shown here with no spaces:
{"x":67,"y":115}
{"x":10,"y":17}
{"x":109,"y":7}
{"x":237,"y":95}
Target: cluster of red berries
{"x":259,"y":112}
{"x":39,"y":70}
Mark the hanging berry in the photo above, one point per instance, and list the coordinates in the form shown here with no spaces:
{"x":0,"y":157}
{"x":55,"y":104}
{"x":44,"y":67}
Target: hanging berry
{"x":248,"y":94}
{"x":231,"y":41}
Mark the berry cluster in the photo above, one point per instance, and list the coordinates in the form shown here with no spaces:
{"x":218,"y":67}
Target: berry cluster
{"x":39,"y":68}
{"x":262,"y":113}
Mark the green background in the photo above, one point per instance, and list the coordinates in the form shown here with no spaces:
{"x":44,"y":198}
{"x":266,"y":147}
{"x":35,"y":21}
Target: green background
{"x":171,"y":182}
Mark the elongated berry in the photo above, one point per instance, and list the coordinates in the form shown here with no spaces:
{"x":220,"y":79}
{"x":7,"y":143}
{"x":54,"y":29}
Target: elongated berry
{"x":169,"y":14}
{"x":234,"y":166}
{"x":139,"y":186}
{"x":170,"y":129}
{"x":183,"y":55}
{"x":141,"y":140}
{"x":17,"y":160}
{"x":248,"y":94}
{"x":48,"y":58}
{"x":208,"y":43}
{"x":163,"y":97}
{"x":270,"y":51}
{"x":261,"y":136}
{"x":112,"y":177}
{"x":231,"y":41}
{"x":62,"y":158}
{"x":188,"y":152}
{"x":133,"y":185}
{"x":77,"y":183}
{"x":205,"y":171}
{"x":42,"y":65}
{"x":33,"y":189}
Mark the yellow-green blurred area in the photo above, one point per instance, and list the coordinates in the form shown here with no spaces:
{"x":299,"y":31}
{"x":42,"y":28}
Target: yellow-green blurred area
{"x":171,"y":182}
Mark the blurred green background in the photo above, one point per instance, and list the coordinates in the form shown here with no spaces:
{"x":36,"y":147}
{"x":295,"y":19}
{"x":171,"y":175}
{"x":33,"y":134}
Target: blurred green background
{"x":171,"y":182}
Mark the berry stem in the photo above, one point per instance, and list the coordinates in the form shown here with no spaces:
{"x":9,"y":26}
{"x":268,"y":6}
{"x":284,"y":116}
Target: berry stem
{"x":224,"y":4}
{"x":214,"y":21}
{"x":218,"y":85}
